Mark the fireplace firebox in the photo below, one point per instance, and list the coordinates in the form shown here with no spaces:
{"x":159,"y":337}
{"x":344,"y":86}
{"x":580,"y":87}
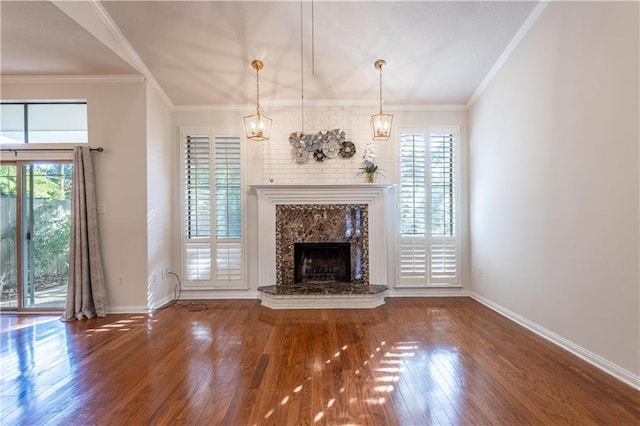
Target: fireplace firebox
{"x":322,"y":262}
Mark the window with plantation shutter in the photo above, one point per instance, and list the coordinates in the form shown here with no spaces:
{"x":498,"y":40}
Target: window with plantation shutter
{"x":444,"y":239}
{"x":428,"y":190}
{"x":197,"y":207}
{"x":228,"y":209}
{"x":413,"y":207}
{"x":212,"y":202}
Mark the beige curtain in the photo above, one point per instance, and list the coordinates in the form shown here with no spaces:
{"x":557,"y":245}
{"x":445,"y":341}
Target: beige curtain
{"x":85,"y":293}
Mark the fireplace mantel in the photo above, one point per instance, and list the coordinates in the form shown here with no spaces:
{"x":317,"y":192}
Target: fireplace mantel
{"x":331,"y":192}
{"x":374,"y":195}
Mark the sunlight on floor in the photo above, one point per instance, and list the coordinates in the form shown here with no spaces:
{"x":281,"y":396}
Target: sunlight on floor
{"x":385,"y":369}
{"x":33,"y":320}
{"x":382,"y":372}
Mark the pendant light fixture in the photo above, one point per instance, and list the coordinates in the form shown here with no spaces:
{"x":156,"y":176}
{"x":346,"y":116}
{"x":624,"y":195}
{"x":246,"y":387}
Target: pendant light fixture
{"x":381,"y":122}
{"x":257,"y":126}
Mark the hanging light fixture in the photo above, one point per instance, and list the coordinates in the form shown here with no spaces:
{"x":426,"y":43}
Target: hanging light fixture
{"x":381,"y":122}
{"x":257,"y":126}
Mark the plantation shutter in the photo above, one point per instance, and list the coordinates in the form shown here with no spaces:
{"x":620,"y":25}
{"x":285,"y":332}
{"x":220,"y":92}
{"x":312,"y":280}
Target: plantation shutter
{"x":212,"y":203}
{"x":197,"y":207}
{"x":413,"y":211}
{"x":228,"y":209}
{"x":444,"y":239}
{"x":428,"y":244}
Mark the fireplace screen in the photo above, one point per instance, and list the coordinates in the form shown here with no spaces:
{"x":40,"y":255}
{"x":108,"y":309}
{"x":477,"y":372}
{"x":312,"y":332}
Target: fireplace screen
{"x":322,"y":262}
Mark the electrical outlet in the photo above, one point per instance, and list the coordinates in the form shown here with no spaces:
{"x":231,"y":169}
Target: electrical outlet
{"x":480,"y":273}
{"x":164,"y":273}
{"x":121,"y":280}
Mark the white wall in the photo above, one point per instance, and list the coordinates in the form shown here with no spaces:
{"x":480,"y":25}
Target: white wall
{"x":271,"y":161}
{"x":160,"y":187}
{"x":554,"y":182}
{"x":116,"y":121}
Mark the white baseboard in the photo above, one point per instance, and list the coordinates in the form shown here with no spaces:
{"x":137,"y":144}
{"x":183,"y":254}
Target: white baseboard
{"x":126,"y":310}
{"x":162,"y":302}
{"x":427,"y":292}
{"x":185,"y":295}
{"x":593,"y":359}
{"x":218,"y":294}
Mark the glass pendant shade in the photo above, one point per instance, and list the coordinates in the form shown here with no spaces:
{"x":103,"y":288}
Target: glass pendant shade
{"x":381,"y":122}
{"x":258,"y":125}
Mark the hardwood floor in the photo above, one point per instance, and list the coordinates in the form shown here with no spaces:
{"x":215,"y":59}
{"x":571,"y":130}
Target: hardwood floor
{"x":409,"y":362}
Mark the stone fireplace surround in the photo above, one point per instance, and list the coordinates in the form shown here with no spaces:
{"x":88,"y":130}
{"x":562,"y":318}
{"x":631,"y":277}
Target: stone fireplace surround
{"x":289,"y":198}
{"x":318,"y":223}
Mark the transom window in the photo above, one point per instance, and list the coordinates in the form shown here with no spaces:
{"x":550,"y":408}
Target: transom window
{"x":43,"y":122}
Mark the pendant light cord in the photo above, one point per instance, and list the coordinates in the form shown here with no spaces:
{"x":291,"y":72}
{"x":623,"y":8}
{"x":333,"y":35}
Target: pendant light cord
{"x":301,"y":70}
{"x":313,"y":41}
{"x":380,"y":89}
{"x":257,"y":91}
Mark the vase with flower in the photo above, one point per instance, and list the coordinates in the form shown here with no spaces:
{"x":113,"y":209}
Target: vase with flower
{"x":369,"y":168}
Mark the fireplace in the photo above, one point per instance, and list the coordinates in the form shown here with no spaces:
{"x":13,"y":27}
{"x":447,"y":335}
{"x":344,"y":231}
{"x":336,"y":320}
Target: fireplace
{"x":322,"y":262}
{"x":290,"y":214}
{"x":325,"y":225}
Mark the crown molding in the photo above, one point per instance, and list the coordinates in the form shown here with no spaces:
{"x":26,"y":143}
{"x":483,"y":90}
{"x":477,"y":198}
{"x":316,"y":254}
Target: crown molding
{"x":427,"y":108}
{"x":45,"y":79}
{"x":130,"y":51}
{"x":214,"y":108}
{"x":515,"y":41}
{"x":93,"y":18}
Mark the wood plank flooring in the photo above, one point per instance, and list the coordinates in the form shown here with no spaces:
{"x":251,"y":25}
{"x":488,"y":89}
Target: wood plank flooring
{"x":424,"y":361}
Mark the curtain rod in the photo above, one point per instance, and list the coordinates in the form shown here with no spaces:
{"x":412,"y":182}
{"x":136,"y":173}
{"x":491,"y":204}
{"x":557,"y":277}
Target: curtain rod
{"x":16,"y":150}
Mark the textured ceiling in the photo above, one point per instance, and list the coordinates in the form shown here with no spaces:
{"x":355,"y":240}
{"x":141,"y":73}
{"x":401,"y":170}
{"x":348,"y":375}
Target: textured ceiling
{"x":200,"y":52}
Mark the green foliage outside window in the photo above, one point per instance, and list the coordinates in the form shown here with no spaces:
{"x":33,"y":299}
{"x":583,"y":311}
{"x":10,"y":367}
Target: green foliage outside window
{"x":51,"y":219}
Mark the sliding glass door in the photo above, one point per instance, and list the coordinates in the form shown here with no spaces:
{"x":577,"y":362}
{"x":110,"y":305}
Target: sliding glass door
{"x":8,"y":236}
{"x":35,"y":225}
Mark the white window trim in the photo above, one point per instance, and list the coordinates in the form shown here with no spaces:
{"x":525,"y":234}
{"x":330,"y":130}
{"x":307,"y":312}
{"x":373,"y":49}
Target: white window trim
{"x":213,"y":284}
{"x":426,"y":282}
